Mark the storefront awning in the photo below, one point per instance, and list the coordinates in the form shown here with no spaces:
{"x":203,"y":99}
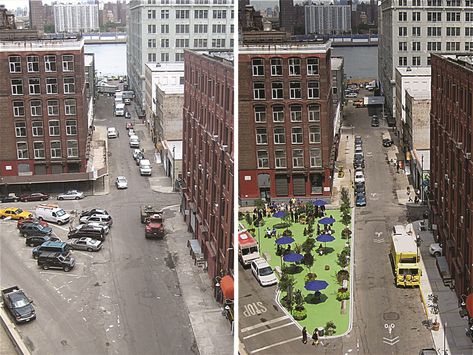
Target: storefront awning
{"x":469,"y":305}
{"x":226,"y":285}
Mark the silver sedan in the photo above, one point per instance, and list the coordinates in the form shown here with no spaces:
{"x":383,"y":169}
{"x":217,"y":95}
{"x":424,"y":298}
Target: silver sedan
{"x":85,"y":243}
{"x":71,"y":195}
{"x":121,"y":182}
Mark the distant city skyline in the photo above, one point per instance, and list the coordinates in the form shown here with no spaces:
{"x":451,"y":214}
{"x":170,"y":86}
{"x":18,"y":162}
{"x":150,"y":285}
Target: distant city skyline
{"x":14,"y":4}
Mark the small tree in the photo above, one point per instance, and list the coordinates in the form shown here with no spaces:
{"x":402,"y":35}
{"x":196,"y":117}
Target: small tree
{"x":248,"y":218}
{"x":298,"y":299}
{"x":308,"y":260}
{"x":308,"y":245}
{"x":286,"y":284}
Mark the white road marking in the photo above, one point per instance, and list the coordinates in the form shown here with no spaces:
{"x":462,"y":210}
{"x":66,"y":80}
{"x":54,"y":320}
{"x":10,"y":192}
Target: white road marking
{"x":275,"y":344}
{"x":170,"y":207}
{"x":244,"y":330}
{"x":63,"y":228}
{"x":266,"y":330}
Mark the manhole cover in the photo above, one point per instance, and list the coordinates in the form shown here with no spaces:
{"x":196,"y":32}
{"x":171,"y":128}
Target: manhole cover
{"x":391,"y":316}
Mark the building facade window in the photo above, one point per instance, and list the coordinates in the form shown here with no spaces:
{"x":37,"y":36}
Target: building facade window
{"x":36,"y":108}
{"x":279,"y":135}
{"x":37,"y":128}
{"x":72,"y":149}
{"x":453,"y":31}
{"x":182,"y":43}
{"x":295,"y":91}
{"x":416,"y":61}
{"x":314,"y":134}
{"x":434,"y":31}
{"x":402,"y":46}
{"x":151,"y":14}
{"x":71,"y":127}
{"x":179,"y":57}
{"x":151,"y":29}
{"x":312,"y":66}
{"x":219,"y":28}
{"x":54,"y":129}
{"x":200,"y":43}
{"x":67,"y":63}
{"x":260,"y":114}
{"x":297,"y":158}
{"x":261,"y":136}
{"x":434,"y":46}
{"x":416,"y":16}
{"x":34,"y":86}
{"x":258,"y":67}
{"x":164,"y":57}
{"x":263,"y":160}
{"x":280,"y":160}
{"x":313,"y":91}
{"x":278,"y":113}
{"x":32,"y":62}
{"x":38,"y":150}
{"x":315,"y":158}
{"x":296,"y":113}
{"x":452,"y":46}
{"x":165,"y":28}
{"x":22,"y":150}
{"x":51,"y":86}
{"x":434,"y":16}
{"x":182,"y":14}
{"x":201,"y":28}
{"x":152,"y":43}
{"x":402,"y":61}
{"x":53,"y":107}
{"x":277,"y":90}
{"x":297,"y":135}
{"x":416,"y":46}
{"x":416,"y":31}
{"x":402,"y":16}
{"x":201,"y":14}
{"x":50,"y":63}
{"x":276,"y":66}
{"x":55,"y":149}
{"x":69,"y":85}
{"x":15,"y":64}
{"x":17,"y":87}
{"x":219,"y":14}
{"x":70,"y":106}
{"x":258,"y":91}
{"x":164,"y":42}
{"x":453,"y":16}
{"x":182,"y":28}
{"x":20,"y":129}
{"x":18,"y":108}
{"x":218,"y":42}
{"x":164,"y":15}
{"x":402,"y":31}
{"x":294,"y":66}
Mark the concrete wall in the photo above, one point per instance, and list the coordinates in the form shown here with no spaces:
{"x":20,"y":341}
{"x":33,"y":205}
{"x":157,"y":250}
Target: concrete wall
{"x":168,"y":115}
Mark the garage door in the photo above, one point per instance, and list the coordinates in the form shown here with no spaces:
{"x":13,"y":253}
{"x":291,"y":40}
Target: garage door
{"x":281,"y":185}
{"x":298,"y":182}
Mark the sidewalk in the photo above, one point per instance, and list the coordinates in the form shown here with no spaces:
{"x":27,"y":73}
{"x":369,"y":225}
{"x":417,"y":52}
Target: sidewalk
{"x":99,"y":160}
{"x":346,"y":151}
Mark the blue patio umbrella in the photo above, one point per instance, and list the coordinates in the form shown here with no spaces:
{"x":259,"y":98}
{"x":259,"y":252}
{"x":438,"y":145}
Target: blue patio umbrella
{"x":327,"y":220}
{"x":284,"y":240}
{"x":324,"y":238}
{"x":319,"y":203}
{"x":316,"y":285}
{"x":293,"y":258}
{"x":279,"y":214}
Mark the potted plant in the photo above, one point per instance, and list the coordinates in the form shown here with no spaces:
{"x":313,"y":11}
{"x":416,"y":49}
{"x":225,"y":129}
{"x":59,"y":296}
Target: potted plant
{"x":299,"y":312}
{"x":330,"y":328}
{"x":434,"y":309}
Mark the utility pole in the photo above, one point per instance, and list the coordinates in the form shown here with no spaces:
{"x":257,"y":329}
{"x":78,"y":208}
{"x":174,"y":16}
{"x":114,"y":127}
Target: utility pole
{"x":422,"y":179}
{"x":173,"y":167}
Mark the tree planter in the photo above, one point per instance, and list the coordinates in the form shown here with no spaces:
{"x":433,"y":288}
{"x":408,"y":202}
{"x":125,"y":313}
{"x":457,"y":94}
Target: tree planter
{"x":435,"y":326}
{"x":299,"y":314}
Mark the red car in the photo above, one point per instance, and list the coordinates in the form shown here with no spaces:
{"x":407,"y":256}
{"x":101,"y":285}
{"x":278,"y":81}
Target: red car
{"x":129,"y":125}
{"x":36,"y":196}
{"x":31,"y":220}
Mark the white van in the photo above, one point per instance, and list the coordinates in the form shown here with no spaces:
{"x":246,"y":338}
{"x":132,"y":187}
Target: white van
{"x":134,"y":142}
{"x":145,"y":167}
{"x":120,"y":109}
{"x":52,"y":213}
{"x":112,"y":132}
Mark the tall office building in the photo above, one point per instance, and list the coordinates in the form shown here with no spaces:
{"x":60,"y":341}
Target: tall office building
{"x":451,"y":171}
{"x":159,"y":31}
{"x":207,"y":162}
{"x":36,"y":15}
{"x":285,"y":120}
{"x":287,"y":14}
{"x":409,"y":30}
{"x":76,"y":17}
{"x":327,"y":19}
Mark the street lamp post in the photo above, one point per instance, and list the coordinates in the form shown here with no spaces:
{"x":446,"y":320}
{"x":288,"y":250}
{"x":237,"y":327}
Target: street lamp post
{"x":422,"y":179}
{"x":173,"y":166}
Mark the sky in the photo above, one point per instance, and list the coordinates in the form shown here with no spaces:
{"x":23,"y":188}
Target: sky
{"x":13,"y":4}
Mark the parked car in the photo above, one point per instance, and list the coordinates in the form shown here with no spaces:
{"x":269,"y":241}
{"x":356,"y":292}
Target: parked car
{"x":112,"y":132}
{"x":87,"y":231}
{"x":98,"y":218}
{"x":84,"y":243}
{"x":358,"y":140}
{"x":374,"y":122}
{"x":15,"y":213}
{"x":358,"y":162}
{"x":36,"y":196}
{"x":56,"y":260}
{"x":145,"y":167}
{"x":94,"y":211}
{"x":129,"y":125}
{"x":34,"y":229}
{"x":360,"y":199}
{"x":131,"y":132}
{"x":127,"y":115}
{"x":352,"y":95}
{"x":103,"y":227}
{"x":38,"y":240}
{"x":155,"y":226}
{"x":121,"y":182}
{"x":51,"y":246}
{"x":360,"y":188}
{"x":126,"y":102}
{"x":435,"y":249}
{"x":359,"y":103}
{"x":11,"y":197}
{"x":31,"y":220}
{"x":71,"y":195}
{"x":358,"y":149}
{"x":18,"y":304}
{"x":359,"y":177}
{"x":263,"y":272}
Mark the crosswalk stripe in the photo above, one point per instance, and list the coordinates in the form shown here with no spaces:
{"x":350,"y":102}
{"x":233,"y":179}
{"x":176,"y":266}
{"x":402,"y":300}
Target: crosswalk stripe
{"x":247,"y":329}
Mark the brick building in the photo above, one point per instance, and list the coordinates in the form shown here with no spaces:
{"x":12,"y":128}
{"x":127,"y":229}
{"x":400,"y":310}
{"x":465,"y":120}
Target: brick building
{"x":43,"y":108}
{"x":286,"y":140}
{"x":36,"y":15}
{"x":207,"y":165}
{"x":451,"y":179}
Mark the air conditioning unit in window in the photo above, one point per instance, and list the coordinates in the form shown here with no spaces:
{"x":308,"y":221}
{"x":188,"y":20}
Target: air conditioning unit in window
{"x":225,"y":148}
{"x":468,"y":156}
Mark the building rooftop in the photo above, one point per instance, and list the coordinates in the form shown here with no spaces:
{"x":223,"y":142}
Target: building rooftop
{"x":287,"y":47}
{"x":222,"y":56}
{"x":41,"y":45}
{"x":336,"y":63}
{"x":171,"y":89}
{"x":419,"y":94}
{"x":462,"y":59}
{"x":414,"y":71}
{"x":166,"y":66}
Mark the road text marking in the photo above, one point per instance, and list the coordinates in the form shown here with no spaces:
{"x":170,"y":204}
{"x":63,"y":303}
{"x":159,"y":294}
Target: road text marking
{"x":247,"y":329}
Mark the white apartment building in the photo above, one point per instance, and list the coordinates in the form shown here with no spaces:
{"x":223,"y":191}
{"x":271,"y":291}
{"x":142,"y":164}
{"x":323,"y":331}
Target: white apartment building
{"x":327,"y":19}
{"x":76,"y":17}
{"x":410,"y":29}
{"x":160,"y":30}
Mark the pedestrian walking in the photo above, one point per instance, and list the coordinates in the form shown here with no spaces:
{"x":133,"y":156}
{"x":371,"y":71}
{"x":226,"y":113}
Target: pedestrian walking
{"x":315,"y":337}
{"x":304,"y":335}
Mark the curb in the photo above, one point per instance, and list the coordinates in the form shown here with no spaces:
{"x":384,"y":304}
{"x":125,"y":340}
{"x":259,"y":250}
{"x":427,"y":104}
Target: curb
{"x":13,"y":334}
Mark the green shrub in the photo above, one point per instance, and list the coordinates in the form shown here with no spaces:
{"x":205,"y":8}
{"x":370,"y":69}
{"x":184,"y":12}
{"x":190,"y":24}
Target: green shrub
{"x":343,"y":295}
{"x":346,"y":233}
{"x":287,"y":232}
{"x":330,"y":328}
{"x":343,"y":275}
{"x":299,"y":314}
{"x":281,"y":225}
{"x":310,"y":276}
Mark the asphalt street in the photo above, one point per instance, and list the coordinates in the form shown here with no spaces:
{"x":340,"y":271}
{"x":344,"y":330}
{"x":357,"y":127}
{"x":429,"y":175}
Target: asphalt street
{"x":386,"y":319}
{"x":124,"y":299}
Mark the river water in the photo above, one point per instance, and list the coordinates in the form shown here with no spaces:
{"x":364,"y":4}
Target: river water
{"x":360,"y":62}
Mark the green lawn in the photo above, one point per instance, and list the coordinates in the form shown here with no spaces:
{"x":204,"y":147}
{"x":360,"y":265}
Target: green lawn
{"x":329,"y":310}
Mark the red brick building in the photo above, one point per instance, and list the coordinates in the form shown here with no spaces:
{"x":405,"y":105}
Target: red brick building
{"x":285,"y":120}
{"x":451,"y":180}
{"x":207,"y":162}
{"x":42,"y":105}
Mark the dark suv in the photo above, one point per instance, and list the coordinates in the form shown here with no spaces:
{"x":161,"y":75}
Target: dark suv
{"x":38,"y":240}
{"x":56,"y":260}
{"x":34,"y":229}
{"x":85,"y":230}
{"x":56,"y":247}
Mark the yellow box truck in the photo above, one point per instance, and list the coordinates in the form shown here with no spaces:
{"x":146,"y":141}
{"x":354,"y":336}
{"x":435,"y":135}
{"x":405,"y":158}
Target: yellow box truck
{"x":405,"y":259}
